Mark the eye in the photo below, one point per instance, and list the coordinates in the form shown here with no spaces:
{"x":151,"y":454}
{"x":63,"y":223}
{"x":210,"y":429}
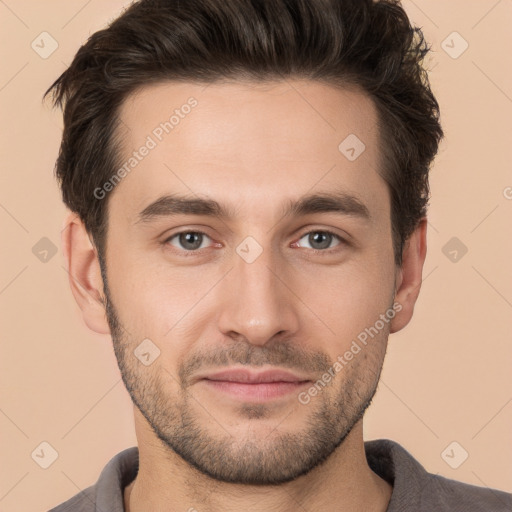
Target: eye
{"x":189,"y":241}
{"x":320,"y":240}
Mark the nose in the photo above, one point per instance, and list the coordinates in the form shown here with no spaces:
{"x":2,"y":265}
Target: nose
{"x":258,"y":303}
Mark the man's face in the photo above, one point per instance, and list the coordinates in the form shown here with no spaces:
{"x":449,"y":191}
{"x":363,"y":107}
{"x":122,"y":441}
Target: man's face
{"x":257,"y":289}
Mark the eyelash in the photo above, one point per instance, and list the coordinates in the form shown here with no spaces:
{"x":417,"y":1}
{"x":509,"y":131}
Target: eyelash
{"x":314,"y":251}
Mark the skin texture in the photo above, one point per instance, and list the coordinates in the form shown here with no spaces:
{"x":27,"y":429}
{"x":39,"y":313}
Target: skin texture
{"x":252,"y":147}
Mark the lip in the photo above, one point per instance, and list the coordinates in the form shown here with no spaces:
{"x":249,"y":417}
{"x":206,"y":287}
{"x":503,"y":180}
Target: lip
{"x":255,"y":386}
{"x":247,"y":376}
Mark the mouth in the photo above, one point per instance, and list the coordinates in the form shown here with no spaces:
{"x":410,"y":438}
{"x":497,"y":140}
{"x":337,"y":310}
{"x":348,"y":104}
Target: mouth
{"x":256,"y":387}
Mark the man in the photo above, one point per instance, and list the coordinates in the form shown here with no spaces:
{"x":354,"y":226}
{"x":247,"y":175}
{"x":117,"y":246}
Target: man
{"x":247,"y":183}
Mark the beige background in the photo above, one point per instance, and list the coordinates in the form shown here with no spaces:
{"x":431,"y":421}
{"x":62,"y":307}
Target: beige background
{"x":447,"y":376}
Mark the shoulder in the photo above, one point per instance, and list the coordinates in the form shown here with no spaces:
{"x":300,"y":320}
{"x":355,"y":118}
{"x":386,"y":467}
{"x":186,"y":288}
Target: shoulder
{"x":84,"y":501}
{"x":447,"y":494}
{"x":416,"y":489}
{"x":107,"y":492}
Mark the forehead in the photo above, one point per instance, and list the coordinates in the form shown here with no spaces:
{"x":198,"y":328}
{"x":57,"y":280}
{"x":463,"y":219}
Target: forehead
{"x":229,"y":110}
{"x":236,"y":141}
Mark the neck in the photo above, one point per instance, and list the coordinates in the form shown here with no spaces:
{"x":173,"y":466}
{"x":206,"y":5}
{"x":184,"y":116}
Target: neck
{"x":344,"y":482}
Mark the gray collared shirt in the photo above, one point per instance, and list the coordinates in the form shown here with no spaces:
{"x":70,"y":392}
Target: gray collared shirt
{"x":414,"y":490}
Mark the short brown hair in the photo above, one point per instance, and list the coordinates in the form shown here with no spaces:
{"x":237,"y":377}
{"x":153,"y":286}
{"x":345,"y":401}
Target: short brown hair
{"x":369,"y":44}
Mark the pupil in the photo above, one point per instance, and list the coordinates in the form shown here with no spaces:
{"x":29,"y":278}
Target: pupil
{"x":187,"y":239}
{"x":321,"y":234}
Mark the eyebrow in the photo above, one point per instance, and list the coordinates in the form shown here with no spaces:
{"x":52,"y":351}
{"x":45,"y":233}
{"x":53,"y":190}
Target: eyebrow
{"x":328,"y":202}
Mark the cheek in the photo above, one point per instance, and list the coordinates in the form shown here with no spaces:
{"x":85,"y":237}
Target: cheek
{"x":157,"y":300}
{"x":350,"y":299}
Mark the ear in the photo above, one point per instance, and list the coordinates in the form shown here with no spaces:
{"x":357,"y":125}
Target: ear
{"x":409,"y":277}
{"x":83,"y":267}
